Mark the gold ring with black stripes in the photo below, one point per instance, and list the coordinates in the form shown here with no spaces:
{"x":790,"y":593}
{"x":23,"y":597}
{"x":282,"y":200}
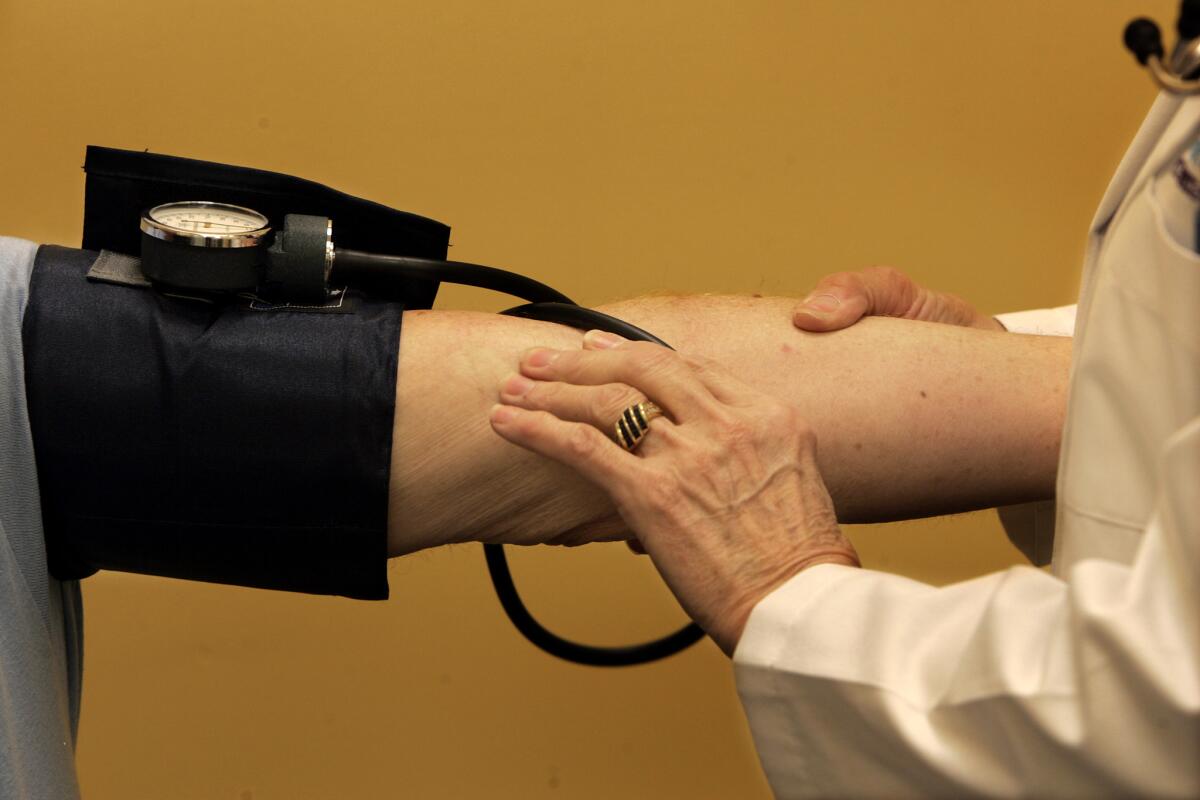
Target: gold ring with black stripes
{"x":634,"y":423}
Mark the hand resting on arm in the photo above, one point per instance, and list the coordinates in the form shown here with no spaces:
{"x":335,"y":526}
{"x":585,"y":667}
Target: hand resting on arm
{"x":723,"y":492}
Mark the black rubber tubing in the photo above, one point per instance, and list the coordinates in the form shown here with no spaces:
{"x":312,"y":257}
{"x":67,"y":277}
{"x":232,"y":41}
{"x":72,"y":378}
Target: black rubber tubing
{"x":506,"y":590}
{"x":548,"y":305}
{"x":351,"y":264}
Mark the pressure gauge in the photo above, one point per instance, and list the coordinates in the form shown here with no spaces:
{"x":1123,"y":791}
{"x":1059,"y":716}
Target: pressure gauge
{"x":203,"y":224}
{"x":201,"y":245}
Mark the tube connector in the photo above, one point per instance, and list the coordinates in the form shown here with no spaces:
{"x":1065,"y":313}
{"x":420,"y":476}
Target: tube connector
{"x":301,"y":257}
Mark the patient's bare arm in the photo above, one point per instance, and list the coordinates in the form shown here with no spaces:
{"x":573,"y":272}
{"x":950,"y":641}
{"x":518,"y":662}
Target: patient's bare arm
{"x":913,"y":419}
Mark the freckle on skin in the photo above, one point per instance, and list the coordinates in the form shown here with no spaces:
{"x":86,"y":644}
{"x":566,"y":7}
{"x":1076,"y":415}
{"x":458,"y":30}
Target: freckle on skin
{"x":858,"y":445}
{"x":923,"y":393}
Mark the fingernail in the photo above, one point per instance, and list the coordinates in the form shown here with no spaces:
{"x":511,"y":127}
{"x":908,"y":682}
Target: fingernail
{"x":541,"y":357}
{"x":821,"y":303}
{"x":502,"y":415}
{"x":515,"y":386}
{"x":601,"y":340}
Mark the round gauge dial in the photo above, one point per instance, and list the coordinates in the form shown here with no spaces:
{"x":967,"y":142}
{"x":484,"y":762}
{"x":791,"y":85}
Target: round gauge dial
{"x":204,"y":224}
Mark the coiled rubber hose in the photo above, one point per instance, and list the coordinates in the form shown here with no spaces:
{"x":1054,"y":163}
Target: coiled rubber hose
{"x":548,"y":305}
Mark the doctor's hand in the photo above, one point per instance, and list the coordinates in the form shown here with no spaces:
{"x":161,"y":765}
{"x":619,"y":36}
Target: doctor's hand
{"x":842,"y":299}
{"x":723,"y":493}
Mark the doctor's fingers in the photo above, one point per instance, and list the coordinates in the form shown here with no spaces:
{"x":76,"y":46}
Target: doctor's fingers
{"x":599,"y":406}
{"x":573,"y":444}
{"x":659,"y":373}
{"x":724,"y":386}
{"x":843,"y":298}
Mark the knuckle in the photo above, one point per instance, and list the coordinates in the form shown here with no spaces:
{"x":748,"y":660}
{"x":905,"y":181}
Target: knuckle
{"x":529,"y":425}
{"x":884,"y":273}
{"x":779,"y":414}
{"x":806,"y":434}
{"x":610,"y":401}
{"x":581,"y":442}
{"x":848,"y":285}
{"x":706,"y":458}
{"x":663,"y":491}
{"x":799,"y":428}
{"x":737,"y":432}
{"x":701,"y":363}
{"x":540,"y":395}
{"x":783,"y":419}
{"x":653,"y":358}
{"x":894,"y":291}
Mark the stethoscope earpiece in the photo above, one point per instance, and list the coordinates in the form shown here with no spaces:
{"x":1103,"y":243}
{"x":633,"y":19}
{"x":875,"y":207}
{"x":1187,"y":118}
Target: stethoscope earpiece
{"x":1188,"y":25}
{"x":1144,"y":39}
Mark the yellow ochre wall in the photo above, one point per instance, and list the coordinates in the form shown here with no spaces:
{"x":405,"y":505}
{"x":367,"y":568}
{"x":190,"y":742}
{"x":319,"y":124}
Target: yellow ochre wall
{"x":609,"y":148}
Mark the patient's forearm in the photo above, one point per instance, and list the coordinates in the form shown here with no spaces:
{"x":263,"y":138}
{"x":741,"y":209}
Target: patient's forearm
{"x":912,"y":419}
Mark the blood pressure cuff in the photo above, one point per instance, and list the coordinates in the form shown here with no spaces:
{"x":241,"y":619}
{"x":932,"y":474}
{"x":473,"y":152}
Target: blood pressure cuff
{"x":122,"y":184}
{"x":232,"y":442}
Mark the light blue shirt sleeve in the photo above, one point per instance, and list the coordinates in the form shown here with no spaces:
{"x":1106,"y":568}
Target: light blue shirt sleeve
{"x":41,"y":619}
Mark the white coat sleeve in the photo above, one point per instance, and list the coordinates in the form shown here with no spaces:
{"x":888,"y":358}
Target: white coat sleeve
{"x":1030,"y":526}
{"x":858,"y":683}
{"x":1041,"y":321}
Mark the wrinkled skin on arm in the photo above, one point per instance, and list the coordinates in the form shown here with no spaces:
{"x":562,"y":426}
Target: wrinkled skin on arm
{"x":912,"y":419}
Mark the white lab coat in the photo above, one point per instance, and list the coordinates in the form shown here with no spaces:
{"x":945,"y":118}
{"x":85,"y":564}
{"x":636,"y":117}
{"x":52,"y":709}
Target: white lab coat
{"x":1080,"y":682}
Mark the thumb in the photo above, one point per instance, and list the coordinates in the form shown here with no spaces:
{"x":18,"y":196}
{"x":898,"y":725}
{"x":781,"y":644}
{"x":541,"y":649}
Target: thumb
{"x":831,"y":307}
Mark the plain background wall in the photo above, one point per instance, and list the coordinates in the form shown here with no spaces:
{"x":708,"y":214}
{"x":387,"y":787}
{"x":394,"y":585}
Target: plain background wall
{"x":609,"y":149}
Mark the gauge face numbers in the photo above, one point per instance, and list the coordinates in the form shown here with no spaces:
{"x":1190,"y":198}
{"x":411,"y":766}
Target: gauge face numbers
{"x":216,"y":218}
{"x":202,"y":224}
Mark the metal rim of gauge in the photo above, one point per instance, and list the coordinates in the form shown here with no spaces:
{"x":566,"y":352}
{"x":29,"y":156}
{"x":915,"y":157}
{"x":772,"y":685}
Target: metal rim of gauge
{"x":201,"y":223}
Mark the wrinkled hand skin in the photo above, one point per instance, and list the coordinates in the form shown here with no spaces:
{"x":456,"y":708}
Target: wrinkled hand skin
{"x":731,"y":512}
{"x":724,"y":494}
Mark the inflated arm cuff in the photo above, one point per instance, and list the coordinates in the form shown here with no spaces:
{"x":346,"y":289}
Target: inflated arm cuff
{"x":233,"y":443}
